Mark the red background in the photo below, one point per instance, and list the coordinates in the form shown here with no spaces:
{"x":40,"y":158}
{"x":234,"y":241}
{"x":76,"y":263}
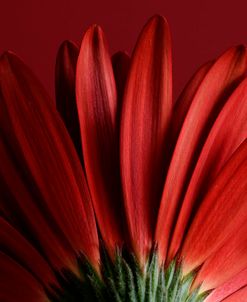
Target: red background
{"x":201,"y":29}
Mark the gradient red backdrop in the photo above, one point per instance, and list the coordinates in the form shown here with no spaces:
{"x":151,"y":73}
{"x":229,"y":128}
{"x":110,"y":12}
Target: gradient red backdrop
{"x":201,"y":29}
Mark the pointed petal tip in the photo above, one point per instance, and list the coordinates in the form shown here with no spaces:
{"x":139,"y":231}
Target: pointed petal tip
{"x":6,"y":55}
{"x":242,"y":52}
{"x":94,"y":36}
{"x":157,"y":21}
{"x":120,"y":53}
{"x":7,"y":59}
{"x":241,"y":48}
{"x":67,"y":44}
{"x":158,"y":18}
{"x":95,"y":30}
{"x":12,"y":59}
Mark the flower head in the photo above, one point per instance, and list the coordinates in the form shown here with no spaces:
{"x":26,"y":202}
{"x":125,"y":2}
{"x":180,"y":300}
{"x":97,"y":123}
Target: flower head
{"x":117,"y":192}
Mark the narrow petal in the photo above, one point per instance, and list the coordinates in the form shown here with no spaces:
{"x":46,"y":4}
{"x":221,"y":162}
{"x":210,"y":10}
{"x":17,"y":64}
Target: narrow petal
{"x":229,"y":287}
{"x":184,"y":101}
{"x":222,"y":213}
{"x":210,"y":97}
{"x":221,"y":143}
{"x":145,"y":118}
{"x":41,"y":149}
{"x":15,"y":245}
{"x":65,"y":90}
{"x":97,"y":108}
{"x":238,"y":296}
{"x":120,"y":64}
{"x":17,"y":284}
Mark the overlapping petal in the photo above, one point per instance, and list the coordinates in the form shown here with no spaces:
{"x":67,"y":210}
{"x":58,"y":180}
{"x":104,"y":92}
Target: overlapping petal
{"x":120,"y":64}
{"x":15,"y":245}
{"x":222,"y":214}
{"x":171,"y":176}
{"x":23,"y":210}
{"x":97,"y":108}
{"x":183,"y":103}
{"x":17,"y":284}
{"x":210,"y":97}
{"x":229,"y":287}
{"x":65,"y":90}
{"x":226,"y":262}
{"x":145,"y":119}
{"x":238,"y":296}
{"x":41,"y":157}
{"x":221,"y":143}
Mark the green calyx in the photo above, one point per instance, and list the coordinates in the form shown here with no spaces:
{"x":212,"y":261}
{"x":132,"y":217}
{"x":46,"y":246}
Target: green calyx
{"x":123,"y":280}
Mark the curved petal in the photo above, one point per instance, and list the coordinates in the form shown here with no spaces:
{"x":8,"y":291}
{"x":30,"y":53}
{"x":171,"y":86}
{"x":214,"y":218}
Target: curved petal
{"x":120,"y":64}
{"x":238,"y":296}
{"x":17,"y":284}
{"x":221,"y":143}
{"x":97,"y":108}
{"x":145,"y":119}
{"x":65,"y":90}
{"x":229,"y":287}
{"x":21,"y":205}
{"x":226,"y":262}
{"x":222,"y":213}
{"x":16,"y":246}
{"x":184,"y":101}
{"x":223,"y":76}
{"x":41,"y":150}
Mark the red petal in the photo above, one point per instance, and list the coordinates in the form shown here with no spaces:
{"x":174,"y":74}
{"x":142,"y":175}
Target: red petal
{"x":208,"y":100}
{"x":145,"y":120}
{"x":239,"y":296}
{"x":26,"y":213}
{"x":221,"y":214}
{"x":183,"y":103}
{"x":15,"y":245}
{"x":226,"y":262}
{"x":228,"y":288}
{"x":65,"y":90}
{"x":221,"y":143}
{"x":41,"y":148}
{"x":120,"y":64}
{"x":17,"y":284}
{"x":97,"y":107}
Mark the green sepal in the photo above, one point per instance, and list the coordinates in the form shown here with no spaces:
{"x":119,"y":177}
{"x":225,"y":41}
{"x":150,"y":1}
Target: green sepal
{"x":122,"y":279}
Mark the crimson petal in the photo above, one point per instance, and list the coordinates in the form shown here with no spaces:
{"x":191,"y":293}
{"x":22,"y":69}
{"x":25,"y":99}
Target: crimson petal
{"x":32,"y":130}
{"x":120,"y":64}
{"x":97,"y":108}
{"x":15,"y":245}
{"x":65,"y":90}
{"x":17,"y":284}
{"x":20,"y":207}
{"x":145,"y":119}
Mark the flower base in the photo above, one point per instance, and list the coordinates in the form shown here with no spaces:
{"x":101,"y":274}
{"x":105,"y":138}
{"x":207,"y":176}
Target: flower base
{"x":124,"y":280}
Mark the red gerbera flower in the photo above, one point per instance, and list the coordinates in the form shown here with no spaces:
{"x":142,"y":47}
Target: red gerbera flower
{"x":130,"y":196}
